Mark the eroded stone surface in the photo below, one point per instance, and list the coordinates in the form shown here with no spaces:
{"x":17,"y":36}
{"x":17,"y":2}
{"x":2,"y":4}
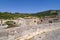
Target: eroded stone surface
{"x":35,"y":32}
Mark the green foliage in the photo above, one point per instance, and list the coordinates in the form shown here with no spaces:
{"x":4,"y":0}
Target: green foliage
{"x":7,"y":15}
{"x":45,"y":13}
{"x":11,"y":24}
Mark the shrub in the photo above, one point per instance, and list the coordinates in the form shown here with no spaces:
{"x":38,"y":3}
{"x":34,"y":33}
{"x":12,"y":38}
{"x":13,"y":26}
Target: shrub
{"x":11,"y":24}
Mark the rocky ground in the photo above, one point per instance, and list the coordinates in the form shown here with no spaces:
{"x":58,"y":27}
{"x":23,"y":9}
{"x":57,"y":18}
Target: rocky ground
{"x":52,"y":35}
{"x":35,"y":32}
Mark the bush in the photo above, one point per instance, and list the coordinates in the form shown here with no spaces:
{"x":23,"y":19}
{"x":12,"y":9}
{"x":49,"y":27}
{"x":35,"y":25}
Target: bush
{"x":11,"y":24}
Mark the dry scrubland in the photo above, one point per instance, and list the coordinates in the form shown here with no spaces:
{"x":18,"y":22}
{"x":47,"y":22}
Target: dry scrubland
{"x":34,"y":32}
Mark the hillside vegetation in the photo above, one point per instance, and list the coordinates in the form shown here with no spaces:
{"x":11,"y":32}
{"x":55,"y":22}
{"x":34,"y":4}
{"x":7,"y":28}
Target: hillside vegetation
{"x":7,"y":15}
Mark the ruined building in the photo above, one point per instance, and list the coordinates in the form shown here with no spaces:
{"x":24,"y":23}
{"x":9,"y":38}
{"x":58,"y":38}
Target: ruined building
{"x":52,"y":19}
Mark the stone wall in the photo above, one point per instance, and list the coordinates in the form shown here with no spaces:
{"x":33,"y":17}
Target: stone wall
{"x":23,"y":21}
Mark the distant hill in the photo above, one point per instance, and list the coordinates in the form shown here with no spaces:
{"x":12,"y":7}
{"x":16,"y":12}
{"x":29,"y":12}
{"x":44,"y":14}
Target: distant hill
{"x":7,"y":15}
{"x":46,"y":13}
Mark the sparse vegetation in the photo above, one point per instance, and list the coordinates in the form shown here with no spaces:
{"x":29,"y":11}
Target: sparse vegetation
{"x":11,"y":24}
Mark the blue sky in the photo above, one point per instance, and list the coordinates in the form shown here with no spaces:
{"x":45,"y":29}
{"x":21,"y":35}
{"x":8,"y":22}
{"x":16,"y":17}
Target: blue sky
{"x":28,"y":6}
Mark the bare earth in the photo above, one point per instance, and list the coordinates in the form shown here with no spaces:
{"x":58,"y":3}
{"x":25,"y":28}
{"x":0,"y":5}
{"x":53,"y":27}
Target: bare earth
{"x":35,"y":32}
